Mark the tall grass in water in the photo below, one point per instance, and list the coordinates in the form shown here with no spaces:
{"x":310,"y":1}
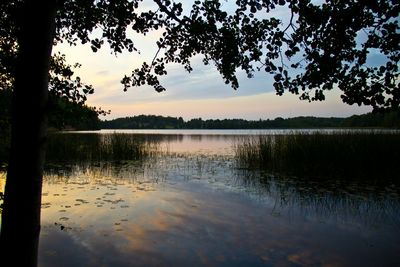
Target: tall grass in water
{"x":98,"y":147}
{"x":355,"y":155}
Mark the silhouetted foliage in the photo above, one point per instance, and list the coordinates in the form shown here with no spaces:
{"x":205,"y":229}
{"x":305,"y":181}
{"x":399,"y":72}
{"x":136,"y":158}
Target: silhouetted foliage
{"x":327,"y":44}
{"x":63,"y":114}
{"x":388,"y":119}
{"x":369,"y":120}
{"x":144,"y":122}
{"x":61,"y":74}
{"x":66,"y":114}
{"x":5,"y":127}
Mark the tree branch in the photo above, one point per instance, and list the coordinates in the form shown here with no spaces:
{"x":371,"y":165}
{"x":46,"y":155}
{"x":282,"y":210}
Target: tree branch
{"x":164,"y":9}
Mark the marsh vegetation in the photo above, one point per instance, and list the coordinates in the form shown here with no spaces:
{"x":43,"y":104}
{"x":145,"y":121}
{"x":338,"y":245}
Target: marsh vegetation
{"x":93,"y":147}
{"x":344,"y":155}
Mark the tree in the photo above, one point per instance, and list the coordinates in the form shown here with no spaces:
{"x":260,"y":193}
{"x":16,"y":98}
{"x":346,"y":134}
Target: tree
{"x":328,"y":44}
{"x":21,"y":211}
{"x":322,"y":46}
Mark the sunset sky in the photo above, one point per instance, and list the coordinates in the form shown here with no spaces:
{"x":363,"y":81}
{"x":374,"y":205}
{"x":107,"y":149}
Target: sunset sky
{"x":201,"y":93}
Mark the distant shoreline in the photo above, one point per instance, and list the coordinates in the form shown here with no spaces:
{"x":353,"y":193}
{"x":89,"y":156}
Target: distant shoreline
{"x":390,"y":120}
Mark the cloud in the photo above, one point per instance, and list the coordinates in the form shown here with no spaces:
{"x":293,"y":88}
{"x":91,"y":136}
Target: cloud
{"x":265,"y":105}
{"x":102,"y":72}
{"x":202,"y":92}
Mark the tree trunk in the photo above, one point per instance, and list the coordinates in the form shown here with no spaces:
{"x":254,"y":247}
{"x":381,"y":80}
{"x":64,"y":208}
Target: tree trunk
{"x":20,"y":227}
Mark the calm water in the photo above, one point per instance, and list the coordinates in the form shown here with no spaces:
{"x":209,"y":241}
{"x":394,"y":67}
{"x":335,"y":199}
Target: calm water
{"x":188,"y":205}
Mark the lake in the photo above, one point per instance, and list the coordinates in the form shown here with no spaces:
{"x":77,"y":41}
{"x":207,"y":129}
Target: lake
{"x":179,"y":198}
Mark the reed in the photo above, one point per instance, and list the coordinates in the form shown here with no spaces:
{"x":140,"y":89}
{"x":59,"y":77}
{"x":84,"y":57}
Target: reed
{"x":347,"y":154}
{"x":98,"y":147}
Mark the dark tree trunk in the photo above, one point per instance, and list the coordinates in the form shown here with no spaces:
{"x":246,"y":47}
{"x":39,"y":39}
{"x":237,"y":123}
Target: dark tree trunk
{"x":20,"y":227}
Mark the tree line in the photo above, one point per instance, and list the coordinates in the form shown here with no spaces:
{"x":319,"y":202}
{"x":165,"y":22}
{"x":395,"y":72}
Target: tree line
{"x":369,"y":120}
{"x":64,"y":114}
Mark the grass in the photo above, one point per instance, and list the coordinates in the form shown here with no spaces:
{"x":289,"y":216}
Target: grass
{"x":354,"y":155}
{"x":98,"y":147}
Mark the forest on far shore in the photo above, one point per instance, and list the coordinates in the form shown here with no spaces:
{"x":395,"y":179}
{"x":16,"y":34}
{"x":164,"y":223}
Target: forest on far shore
{"x":369,"y":120}
{"x":67,"y":115}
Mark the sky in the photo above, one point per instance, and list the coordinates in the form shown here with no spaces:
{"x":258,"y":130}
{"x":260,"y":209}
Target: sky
{"x":202,"y":93}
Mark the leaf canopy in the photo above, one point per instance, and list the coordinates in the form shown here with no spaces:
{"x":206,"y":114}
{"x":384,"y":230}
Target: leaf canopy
{"x":319,"y":46}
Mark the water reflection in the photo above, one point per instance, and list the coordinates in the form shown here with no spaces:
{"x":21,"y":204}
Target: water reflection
{"x":341,"y":201}
{"x":171,"y":206}
{"x":191,"y":223}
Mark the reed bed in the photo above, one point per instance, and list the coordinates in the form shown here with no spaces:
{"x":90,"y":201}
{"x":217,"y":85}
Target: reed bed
{"x":99,"y":147}
{"x":347,"y":154}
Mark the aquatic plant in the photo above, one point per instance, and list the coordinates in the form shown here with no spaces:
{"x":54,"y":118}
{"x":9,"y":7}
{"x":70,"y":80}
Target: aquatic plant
{"x":352,"y":155}
{"x":91,"y":147}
